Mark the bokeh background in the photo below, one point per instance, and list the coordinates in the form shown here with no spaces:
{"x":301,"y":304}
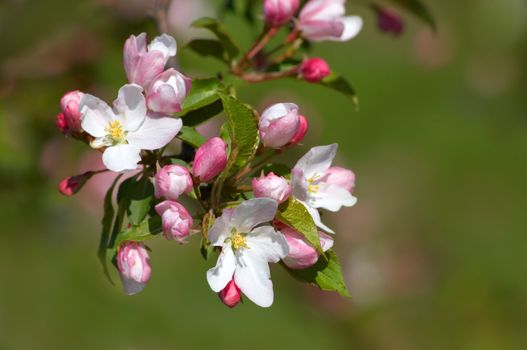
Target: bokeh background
{"x":433,"y":253}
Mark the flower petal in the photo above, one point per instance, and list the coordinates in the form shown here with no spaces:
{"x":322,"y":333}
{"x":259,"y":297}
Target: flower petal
{"x":352,"y":27}
{"x":121,"y":157}
{"x":221,"y":228}
{"x":316,"y":218}
{"x":332,"y":198}
{"x":130,"y":286}
{"x":96,"y":115}
{"x":317,"y":160}
{"x":253,"y":212}
{"x":253,"y":277}
{"x":165,"y":44}
{"x":268,"y":243}
{"x":131,"y":106}
{"x":155,"y":132}
{"x":322,"y":9}
{"x":221,"y":274}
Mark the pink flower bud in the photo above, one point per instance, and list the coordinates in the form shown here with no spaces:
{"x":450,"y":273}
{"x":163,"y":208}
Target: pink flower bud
{"x":141,"y":63}
{"x":272,"y":186}
{"x":314,"y":69}
{"x":168,"y":91}
{"x":176,"y":220}
{"x":301,"y":131}
{"x":278,"y":125}
{"x":73,"y":184}
{"x":61,"y":124}
{"x":172,"y":181}
{"x":301,"y":254}
{"x":339,"y":176}
{"x":70,"y":108}
{"x":134,"y":267}
{"x":210,"y":159}
{"x":230,"y":295}
{"x":389,"y":21}
{"x":279,"y":12}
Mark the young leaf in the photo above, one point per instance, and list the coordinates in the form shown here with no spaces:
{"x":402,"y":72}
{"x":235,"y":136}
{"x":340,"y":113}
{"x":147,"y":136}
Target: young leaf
{"x":220,"y":32}
{"x":337,"y":82}
{"x":207,"y":47}
{"x":201,"y":115}
{"x":202,"y":93}
{"x":418,"y":8}
{"x":325,"y":274}
{"x":191,"y":136}
{"x":141,"y":196}
{"x":295,"y":215}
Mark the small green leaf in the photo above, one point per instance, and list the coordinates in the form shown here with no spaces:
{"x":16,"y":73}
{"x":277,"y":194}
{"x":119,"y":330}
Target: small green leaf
{"x":191,"y":136}
{"x":148,"y":229}
{"x":201,"y":115}
{"x":339,"y":83}
{"x":202,"y":93}
{"x":206,"y":250}
{"x":325,"y":274}
{"x":295,"y":215}
{"x":141,"y":196}
{"x":219,"y":30}
{"x":418,"y":8}
{"x":207,"y":47}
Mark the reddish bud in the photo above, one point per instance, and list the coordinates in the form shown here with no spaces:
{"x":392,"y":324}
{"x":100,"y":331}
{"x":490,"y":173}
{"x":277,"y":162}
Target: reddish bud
{"x":279,"y":12}
{"x":314,"y":69}
{"x":210,"y":159}
{"x":61,"y":124}
{"x":389,"y":21}
{"x":230,"y":295}
{"x":73,"y":184}
{"x":271,"y":186}
{"x":70,"y":108}
{"x":301,"y":131}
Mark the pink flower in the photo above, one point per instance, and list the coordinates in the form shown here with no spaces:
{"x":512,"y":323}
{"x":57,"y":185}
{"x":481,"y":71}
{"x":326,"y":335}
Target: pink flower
{"x":271,"y":186}
{"x":279,"y":124}
{"x":168,"y":91}
{"x":134,"y":267}
{"x":301,"y":131}
{"x":389,"y":21}
{"x":172,"y":181}
{"x":230,"y":295}
{"x":301,"y":254}
{"x":322,"y":20}
{"x":141,"y":63}
{"x":70,"y":108}
{"x":314,"y":69}
{"x":279,"y":12}
{"x":73,"y":184}
{"x":176,"y":220}
{"x":61,"y":124}
{"x":210,"y":159}
{"x":341,"y":177}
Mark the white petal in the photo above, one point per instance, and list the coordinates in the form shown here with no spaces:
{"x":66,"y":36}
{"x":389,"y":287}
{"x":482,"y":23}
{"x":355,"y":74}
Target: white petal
{"x":121,"y":157}
{"x":155,"y":132}
{"x":322,"y":9}
{"x":317,"y":160}
{"x":253,"y":212}
{"x":221,"y":228}
{"x":316,"y":218}
{"x":164,"y":43}
{"x":131,"y":106}
{"x":332,"y":198}
{"x":221,"y":274}
{"x":131,"y":286}
{"x":268,"y":243}
{"x":276,"y":111}
{"x":299,"y":185}
{"x":352,"y":27}
{"x":253,"y":277}
{"x":100,"y":142}
{"x":96,"y":115}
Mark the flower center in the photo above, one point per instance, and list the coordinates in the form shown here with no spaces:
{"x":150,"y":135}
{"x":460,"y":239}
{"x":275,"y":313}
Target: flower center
{"x":115,"y":131}
{"x":311,"y":188}
{"x":238,"y":240}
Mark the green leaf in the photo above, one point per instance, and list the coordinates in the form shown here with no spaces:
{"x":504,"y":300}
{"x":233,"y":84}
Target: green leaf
{"x":243,"y":132}
{"x":219,"y":30}
{"x":207,"y":47}
{"x":277,"y":169}
{"x":201,"y":115}
{"x":107,"y":221}
{"x":191,"y":136}
{"x":136,"y":197}
{"x":340,"y":84}
{"x":295,"y":215}
{"x":206,"y":250}
{"x":325,"y":274}
{"x":203,"y":93}
{"x":148,"y":229}
{"x":419,"y":9}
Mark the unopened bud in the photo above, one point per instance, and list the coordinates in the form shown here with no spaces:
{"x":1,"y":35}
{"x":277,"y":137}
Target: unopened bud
{"x":172,"y":181}
{"x":210,"y":159}
{"x":279,"y":12}
{"x":314,"y":69}
{"x":230,"y":295}
{"x":176,"y":220}
{"x":271,"y":186}
{"x":73,"y":184}
{"x":134,"y":267}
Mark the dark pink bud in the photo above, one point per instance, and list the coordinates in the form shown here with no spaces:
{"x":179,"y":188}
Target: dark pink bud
{"x":61,"y":123}
{"x":210,"y":159}
{"x":314,"y":69}
{"x":301,"y":131}
{"x":70,"y":108}
{"x":230,"y":295}
{"x":73,"y":184}
{"x":279,"y":12}
{"x":389,"y":21}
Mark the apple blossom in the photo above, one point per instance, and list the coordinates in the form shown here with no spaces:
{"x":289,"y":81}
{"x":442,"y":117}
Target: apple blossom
{"x":168,"y":91}
{"x":279,"y":12}
{"x":230,"y":295}
{"x":70,"y":108}
{"x":278,"y":124}
{"x":210,"y":159}
{"x":134,"y":267}
{"x":176,"y":220}
{"x":301,"y":131}
{"x":143,"y":63}
{"x":127,"y":129}
{"x":247,"y":248}
{"x":171,"y":181}
{"x":301,"y":254}
{"x":311,"y":187}
{"x":322,"y":20}
{"x":314,"y":69}
{"x":271,"y":186}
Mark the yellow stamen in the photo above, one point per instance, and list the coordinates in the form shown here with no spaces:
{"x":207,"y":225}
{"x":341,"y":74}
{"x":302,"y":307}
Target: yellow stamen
{"x":238,"y":241}
{"x":313,"y":188}
{"x":115,"y":130}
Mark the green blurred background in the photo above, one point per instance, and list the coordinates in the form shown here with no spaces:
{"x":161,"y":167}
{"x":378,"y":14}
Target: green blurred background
{"x":433,"y":253}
